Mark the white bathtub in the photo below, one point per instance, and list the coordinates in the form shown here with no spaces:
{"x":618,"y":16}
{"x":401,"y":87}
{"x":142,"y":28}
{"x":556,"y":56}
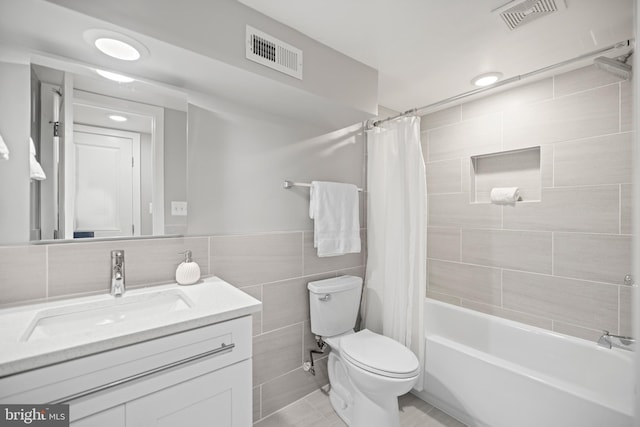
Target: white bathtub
{"x":488,"y":371}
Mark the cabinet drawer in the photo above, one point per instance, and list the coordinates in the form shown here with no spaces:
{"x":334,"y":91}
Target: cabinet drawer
{"x":59,"y":382}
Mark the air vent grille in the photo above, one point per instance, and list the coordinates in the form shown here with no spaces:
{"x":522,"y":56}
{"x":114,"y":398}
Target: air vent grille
{"x":273,"y":53}
{"x":528,"y":10}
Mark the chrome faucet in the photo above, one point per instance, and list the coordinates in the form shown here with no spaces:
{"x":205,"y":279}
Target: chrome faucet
{"x":608,"y":340}
{"x":117,"y":273}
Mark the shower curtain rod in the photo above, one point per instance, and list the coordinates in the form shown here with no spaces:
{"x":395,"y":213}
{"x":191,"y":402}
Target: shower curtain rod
{"x":414,"y":111}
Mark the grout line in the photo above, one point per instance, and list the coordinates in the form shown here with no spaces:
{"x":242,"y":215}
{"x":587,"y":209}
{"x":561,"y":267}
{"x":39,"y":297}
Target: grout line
{"x":620,"y":106}
{"x":282,"y":328}
{"x":620,"y":209}
{"x":553,"y":166}
{"x":553,"y":235}
{"x":302,"y":349}
{"x":502,"y":288}
{"x":590,"y":89}
{"x":260,"y":401}
{"x":527,"y":272}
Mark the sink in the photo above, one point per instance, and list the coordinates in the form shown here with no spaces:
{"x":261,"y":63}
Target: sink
{"x":87,"y":318}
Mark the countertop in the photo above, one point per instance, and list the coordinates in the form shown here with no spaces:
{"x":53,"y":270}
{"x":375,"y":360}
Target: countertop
{"x":211,"y":300}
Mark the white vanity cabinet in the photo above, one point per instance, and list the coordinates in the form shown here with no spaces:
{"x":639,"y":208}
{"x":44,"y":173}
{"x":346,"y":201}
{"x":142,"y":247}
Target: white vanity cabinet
{"x":200,"y":377}
{"x":113,"y":417}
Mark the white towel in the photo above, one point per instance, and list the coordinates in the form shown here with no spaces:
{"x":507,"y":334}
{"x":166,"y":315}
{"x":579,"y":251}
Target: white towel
{"x":505,"y":195}
{"x":4,"y":151}
{"x":35,"y":169}
{"x":334,"y":208}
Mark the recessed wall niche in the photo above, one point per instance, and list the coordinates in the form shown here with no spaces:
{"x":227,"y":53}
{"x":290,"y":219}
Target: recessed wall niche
{"x":516,"y":168}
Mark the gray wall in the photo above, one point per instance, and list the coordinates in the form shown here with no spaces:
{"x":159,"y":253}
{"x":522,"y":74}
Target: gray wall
{"x":175,"y":168}
{"x":14,"y":173}
{"x":273,"y":267}
{"x":557,"y":263}
{"x":146,"y":182}
{"x":237,"y":165}
{"x":216,"y":29}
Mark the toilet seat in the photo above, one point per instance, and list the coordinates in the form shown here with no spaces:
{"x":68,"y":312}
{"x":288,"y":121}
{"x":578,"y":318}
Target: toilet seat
{"x":379,"y":355}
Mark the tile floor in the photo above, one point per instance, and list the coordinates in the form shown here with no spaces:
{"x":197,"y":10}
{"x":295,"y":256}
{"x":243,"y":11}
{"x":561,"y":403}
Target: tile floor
{"x":315,"y":410}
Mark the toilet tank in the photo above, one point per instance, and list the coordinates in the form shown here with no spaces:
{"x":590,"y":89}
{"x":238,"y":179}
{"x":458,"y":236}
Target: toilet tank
{"x":334,"y":304}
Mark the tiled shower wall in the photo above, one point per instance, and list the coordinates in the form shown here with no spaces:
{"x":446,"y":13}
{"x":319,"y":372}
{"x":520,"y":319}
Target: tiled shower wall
{"x":273,"y":267}
{"x":557,"y":263}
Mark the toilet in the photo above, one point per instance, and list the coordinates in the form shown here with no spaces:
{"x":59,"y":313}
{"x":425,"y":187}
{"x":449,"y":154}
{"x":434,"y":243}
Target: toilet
{"x":367,"y":371}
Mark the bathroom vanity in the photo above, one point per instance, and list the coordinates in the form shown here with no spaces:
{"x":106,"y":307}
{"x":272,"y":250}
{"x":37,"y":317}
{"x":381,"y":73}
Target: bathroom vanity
{"x":166,"y":355}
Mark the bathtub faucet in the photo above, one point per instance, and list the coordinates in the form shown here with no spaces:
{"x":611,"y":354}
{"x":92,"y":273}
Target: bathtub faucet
{"x":608,"y":340}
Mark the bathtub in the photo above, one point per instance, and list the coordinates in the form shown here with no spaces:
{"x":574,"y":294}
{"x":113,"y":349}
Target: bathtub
{"x":488,"y":371}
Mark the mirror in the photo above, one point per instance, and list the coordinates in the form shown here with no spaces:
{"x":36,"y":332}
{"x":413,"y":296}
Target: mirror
{"x":98,"y":168}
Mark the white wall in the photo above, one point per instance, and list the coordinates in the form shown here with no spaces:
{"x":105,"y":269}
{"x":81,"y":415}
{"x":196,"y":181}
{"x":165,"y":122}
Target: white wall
{"x":14,"y":173}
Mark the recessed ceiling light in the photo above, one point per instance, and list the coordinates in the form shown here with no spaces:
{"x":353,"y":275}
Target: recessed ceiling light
{"x":116,"y":45}
{"x":117,"y":118}
{"x":117,"y":49}
{"x":486,"y":79}
{"x":115,"y":76}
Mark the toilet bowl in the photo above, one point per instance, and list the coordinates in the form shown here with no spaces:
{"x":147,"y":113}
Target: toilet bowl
{"x":367,"y":371}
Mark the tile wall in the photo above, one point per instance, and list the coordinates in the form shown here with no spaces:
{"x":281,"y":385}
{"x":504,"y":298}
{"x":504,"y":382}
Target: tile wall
{"x":273,"y":267}
{"x":557,"y":263}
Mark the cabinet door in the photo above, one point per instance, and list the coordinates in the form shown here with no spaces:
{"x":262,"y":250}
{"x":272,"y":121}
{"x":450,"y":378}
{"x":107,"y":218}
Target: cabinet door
{"x":113,"y":417}
{"x":218,"y":399}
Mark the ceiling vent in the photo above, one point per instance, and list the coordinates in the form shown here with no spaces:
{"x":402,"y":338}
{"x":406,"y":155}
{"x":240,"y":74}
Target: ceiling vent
{"x":526,"y":11}
{"x":273,"y":53}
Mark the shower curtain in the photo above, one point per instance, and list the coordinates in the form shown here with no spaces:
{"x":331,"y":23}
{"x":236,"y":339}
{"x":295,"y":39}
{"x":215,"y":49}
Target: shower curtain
{"x":396,"y":234}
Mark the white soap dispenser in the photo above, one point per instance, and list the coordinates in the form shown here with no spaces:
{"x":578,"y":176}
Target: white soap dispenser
{"x":188,"y":272}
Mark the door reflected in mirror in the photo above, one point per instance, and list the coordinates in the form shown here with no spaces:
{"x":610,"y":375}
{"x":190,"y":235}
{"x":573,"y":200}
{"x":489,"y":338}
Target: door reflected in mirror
{"x":101,"y":148}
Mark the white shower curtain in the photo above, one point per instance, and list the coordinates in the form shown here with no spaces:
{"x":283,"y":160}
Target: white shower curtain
{"x":396,"y":234}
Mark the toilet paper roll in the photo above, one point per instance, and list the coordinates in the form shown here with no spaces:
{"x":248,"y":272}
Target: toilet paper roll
{"x":505,"y":195}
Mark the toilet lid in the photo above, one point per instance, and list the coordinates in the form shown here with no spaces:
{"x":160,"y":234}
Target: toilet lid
{"x":379,"y":354}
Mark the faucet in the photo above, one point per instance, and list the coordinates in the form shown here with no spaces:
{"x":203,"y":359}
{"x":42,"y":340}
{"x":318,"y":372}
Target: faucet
{"x":608,"y":340}
{"x":117,"y":273}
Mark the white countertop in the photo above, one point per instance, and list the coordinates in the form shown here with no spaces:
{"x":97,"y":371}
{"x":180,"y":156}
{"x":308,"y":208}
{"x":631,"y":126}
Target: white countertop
{"x":212,"y":300}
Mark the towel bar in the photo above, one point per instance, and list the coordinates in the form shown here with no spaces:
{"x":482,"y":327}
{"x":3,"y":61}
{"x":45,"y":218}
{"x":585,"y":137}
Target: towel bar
{"x":290,"y":184}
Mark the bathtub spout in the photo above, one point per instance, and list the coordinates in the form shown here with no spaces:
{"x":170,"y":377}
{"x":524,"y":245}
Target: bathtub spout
{"x":608,"y":340}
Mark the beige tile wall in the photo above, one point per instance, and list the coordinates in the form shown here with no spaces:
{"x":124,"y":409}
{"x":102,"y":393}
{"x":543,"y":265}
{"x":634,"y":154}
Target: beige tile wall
{"x":558,"y":263}
{"x":273,"y":267}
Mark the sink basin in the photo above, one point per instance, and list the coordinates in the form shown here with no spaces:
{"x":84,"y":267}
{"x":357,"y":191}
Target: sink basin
{"x":90,"y":317}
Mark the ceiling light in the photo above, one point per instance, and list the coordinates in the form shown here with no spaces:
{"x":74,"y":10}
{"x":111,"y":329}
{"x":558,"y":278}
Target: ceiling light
{"x":117,"y":49}
{"x":116,"y":45}
{"x":115,"y":76}
{"x":486,"y":79}
{"x":117,"y":118}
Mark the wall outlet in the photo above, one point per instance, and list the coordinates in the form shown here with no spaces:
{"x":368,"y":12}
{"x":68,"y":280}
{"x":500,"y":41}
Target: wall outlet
{"x":178,"y":208}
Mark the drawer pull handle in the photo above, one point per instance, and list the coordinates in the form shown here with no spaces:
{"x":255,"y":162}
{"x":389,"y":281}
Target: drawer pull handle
{"x":224,"y":348}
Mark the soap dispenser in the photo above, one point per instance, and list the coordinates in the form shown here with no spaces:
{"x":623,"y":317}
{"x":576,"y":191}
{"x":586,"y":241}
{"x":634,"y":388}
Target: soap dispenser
{"x":188,"y":272}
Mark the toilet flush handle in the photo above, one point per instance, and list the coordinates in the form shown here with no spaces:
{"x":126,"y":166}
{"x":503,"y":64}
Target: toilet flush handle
{"x":325,"y":298}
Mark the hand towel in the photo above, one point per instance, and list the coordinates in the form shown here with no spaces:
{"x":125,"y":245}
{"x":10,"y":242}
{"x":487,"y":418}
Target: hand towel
{"x":35,"y":169}
{"x":505,"y":195}
{"x":334,"y":208}
{"x":4,"y":151}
